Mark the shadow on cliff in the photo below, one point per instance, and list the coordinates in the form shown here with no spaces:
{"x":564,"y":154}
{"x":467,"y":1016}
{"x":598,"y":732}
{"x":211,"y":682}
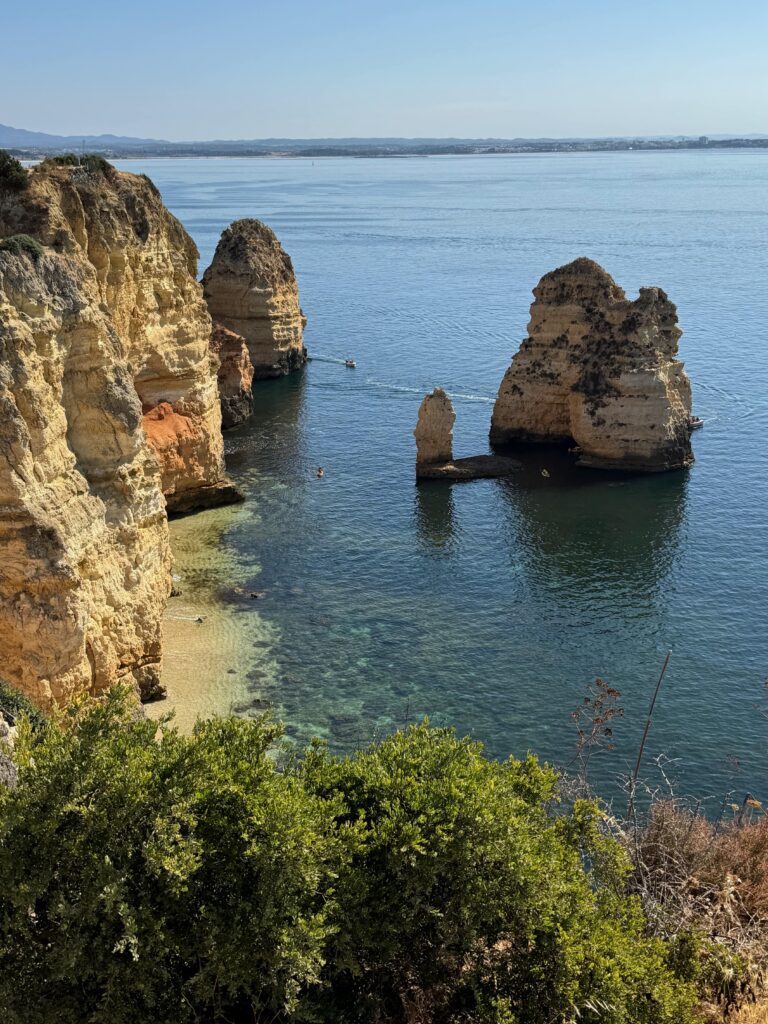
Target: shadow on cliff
{"x":584,"y":532}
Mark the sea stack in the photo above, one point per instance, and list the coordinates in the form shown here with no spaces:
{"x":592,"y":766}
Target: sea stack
{"x":434,"y":431}
{"x":109,"y":411}
{"x":251,"y":289}
{"x":598,"y":371}
{"x":235,"y":375}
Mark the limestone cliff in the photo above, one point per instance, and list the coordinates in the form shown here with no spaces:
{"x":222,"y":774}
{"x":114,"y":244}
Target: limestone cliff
{"x":144,"y":272}
{"x":434,"y":430}
{"x":108,"y":398}
{"x":235,"y":374}
{"x":251,"y":289}
{"x":85,"y":568}
{"x":599,"y":371}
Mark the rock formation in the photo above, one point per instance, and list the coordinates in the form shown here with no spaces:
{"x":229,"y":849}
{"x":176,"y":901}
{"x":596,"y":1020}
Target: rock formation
{"x":599,"y":371}
{"x":108,"y":397}
{"x":434,"y":430}
{"x":434,"y":446}
{"x":251,"y":289}
{"x":235,"y":374}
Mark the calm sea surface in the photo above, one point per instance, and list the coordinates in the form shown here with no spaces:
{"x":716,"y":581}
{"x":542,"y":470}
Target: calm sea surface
{"x":492,"y":605}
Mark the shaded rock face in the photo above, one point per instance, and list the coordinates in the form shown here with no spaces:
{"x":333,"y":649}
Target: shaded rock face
{"x":235,"y":375}
{"x":97,"y":334}
{"x":598,"y":370}
{"x":434,"y":430}
{"x":251,"y":289}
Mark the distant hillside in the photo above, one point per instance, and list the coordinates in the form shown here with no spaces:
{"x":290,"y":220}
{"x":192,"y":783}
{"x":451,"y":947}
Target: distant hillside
{"x":20,"y":138}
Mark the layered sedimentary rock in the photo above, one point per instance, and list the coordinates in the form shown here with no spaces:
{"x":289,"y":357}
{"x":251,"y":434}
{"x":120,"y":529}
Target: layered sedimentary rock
{"x":85,"y":568}
{"x":108,"y":399}
{"x":235,"y":375}
{"x":251,"y":289}
{"x":434,"y":446}
{"x":599,"y":371}
{"x":144,"y":272}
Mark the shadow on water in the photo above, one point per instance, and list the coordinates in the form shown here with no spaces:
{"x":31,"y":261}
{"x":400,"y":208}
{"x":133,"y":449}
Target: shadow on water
{"x":584,"y":533}
{"x":434,"y":515}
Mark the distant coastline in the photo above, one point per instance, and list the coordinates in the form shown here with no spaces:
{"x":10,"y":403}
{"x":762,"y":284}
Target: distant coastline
{"x":28,"y":145}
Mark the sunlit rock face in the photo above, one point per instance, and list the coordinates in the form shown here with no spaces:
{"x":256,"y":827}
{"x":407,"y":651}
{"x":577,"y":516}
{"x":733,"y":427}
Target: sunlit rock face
{"x":251,"y":289}
{"x":598,"y":371}
{"x":99,"y":330}
{"x":434,"y":430}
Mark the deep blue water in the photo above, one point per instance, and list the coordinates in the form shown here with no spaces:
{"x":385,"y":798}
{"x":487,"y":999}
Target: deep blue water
{"x":492,"y":605}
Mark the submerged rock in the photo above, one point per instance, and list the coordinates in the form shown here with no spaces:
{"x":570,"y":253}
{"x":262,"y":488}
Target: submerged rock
{"x":598,"y":371}
{"x":251,"y":289}
{"x":235,"y":374}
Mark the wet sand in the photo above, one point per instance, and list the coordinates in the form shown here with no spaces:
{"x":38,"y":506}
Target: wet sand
{"x":207,"y":664}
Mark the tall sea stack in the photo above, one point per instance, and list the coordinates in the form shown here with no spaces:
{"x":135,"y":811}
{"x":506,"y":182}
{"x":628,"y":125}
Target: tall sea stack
{"x":251,"y":289}
{"x":598,"y":371}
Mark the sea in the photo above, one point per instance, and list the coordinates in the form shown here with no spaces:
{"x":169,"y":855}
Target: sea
{"x":491,"y":607}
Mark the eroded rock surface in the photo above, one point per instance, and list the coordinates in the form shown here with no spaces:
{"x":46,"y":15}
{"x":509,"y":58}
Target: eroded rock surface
{"x":599,"y":371}
{"x":235,"y":374}
{"x":251,"y":289}
{"x":108,"y":398}
{"x":434,"y":430}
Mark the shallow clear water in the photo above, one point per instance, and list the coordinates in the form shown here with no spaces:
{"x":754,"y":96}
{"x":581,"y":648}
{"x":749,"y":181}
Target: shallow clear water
{"x":491,"y":605}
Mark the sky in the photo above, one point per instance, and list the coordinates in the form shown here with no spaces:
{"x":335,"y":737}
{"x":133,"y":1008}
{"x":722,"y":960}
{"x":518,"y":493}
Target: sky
{"x":223,"y":69}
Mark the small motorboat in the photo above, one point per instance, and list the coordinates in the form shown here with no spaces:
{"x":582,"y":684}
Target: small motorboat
{"x":350,"y":364}
{"x":695,"y":422}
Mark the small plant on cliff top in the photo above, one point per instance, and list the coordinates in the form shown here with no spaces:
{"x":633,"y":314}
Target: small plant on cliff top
{"x":22,"y":245}
{"x":12,"y":175}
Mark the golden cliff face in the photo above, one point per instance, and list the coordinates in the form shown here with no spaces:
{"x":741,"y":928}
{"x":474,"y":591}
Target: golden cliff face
{"x":145,"y":267}
{"x":108,"y":400}
{"x":598,"y":370}
{"x":251,"y":289}
{"x":85,"y":570}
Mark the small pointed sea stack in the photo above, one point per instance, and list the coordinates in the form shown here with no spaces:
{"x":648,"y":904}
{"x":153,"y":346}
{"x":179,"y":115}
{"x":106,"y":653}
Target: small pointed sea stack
{"x":235,"y":373}
{"x":434,"y":430}
{"x":598,"y":371}
{"x":251,"y":289}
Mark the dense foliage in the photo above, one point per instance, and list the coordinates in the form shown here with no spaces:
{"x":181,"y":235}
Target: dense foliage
{"x":13,"y":702}
{"x":91,"y":162}
{"x":201,"y":878}
{"x":12,"y":175}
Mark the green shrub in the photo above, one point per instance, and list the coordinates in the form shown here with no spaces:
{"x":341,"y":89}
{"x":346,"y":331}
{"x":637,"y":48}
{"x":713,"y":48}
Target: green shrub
{"x":191,"y":879}
{"x":145,"y":881}
{"x":14,"y":704}
{"x":22,"y":245}
{"x":91,"y":162}
{"x":13,"y":177}
{"x":465,"y":892}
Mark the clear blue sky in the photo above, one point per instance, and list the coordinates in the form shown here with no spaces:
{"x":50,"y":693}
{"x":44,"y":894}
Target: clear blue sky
{"x":187,"y":69}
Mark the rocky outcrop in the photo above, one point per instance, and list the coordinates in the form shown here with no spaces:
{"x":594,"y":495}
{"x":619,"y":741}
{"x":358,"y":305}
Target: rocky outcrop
{"x":145,"y":274}
{"x":108,"y":399}
{"x":598,"y":371}
{"x":251,"y":289}
{"x":434,"y":446}
{"x":235,"y":375}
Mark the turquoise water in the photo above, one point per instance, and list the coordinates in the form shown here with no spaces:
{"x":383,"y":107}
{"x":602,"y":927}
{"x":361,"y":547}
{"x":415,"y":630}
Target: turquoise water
{"x":492,"y":605}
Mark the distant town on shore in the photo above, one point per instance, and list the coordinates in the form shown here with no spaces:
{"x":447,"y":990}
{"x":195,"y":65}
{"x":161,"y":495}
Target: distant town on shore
{"x":31,"y":145}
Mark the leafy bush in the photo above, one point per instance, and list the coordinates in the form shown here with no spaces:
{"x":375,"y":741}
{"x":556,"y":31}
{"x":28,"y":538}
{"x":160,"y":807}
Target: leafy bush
{"x":91,"y":162}
{"x":465,"y":897}
{"x":145,"y":881}
{"x":22,"y":245}
{"x":192,"y":879}
{"x":14,"y":704}
{"x":12,"y":175}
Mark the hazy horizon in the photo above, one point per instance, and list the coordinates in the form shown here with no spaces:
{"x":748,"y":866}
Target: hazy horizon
{"x":168,"y":70}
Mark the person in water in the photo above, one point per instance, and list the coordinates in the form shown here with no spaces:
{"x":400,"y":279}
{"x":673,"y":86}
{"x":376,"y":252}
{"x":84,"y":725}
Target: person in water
{"x":319,"y":472}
